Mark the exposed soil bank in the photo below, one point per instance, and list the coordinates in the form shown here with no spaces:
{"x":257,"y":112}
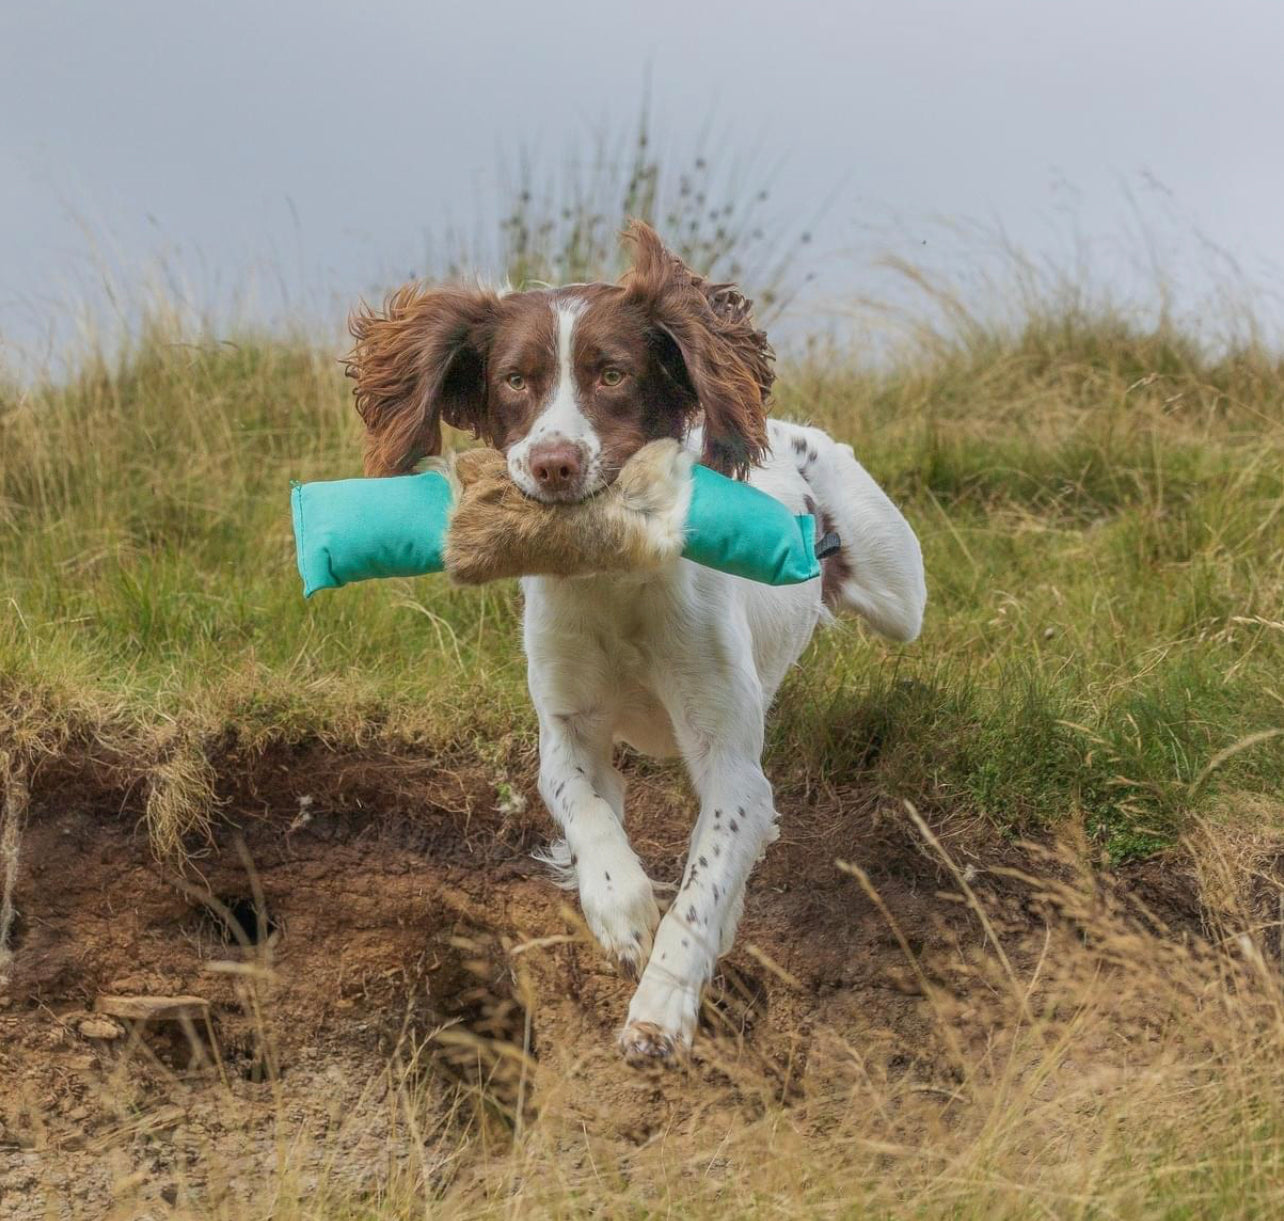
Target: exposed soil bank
{"x":355,"y":910}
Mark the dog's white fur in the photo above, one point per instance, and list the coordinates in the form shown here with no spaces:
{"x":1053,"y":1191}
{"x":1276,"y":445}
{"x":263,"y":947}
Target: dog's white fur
{"x":687,"y":661}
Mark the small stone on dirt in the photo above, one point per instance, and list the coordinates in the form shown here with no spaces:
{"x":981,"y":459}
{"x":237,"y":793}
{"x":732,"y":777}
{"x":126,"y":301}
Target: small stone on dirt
{"x":99,"y":1028}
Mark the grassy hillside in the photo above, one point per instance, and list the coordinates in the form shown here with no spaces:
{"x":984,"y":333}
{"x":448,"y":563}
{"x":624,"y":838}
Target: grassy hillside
{"x":1102,"y":512}
{"x":1101,"y":508}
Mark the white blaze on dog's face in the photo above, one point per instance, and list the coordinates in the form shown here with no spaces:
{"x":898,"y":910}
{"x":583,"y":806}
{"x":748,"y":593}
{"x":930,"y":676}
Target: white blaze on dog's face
{"x":568,"y":383}
{"x":561,"y":456}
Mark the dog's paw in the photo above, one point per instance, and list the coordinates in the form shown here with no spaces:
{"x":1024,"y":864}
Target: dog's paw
{"x":662,"y":1019}
{"x":621,"y":912}
{"x":643,"y":1041}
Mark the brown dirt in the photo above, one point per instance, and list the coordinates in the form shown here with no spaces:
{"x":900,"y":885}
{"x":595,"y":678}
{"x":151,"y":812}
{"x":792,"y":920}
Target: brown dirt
{"x":353,"y":911}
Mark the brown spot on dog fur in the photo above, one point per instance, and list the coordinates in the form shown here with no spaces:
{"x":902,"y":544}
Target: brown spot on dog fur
{"x":834,"y":569}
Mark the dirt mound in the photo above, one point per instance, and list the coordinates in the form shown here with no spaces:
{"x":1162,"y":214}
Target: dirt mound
{"x":362,"y":926}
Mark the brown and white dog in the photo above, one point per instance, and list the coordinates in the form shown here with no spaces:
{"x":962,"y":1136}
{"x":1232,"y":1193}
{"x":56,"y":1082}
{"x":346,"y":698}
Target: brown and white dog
{"x":568,"y":383}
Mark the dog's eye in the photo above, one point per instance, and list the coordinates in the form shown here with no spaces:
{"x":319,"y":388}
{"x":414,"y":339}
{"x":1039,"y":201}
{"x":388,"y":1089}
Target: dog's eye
{"x":612,"y":377}
{"x":516,"y":381}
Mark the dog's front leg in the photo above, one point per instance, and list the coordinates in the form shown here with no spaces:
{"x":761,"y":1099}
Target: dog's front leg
{"x":585,"y":794}
{"x":721,"y":734}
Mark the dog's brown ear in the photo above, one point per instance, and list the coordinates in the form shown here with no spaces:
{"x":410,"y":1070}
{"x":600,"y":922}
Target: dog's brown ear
{"x":419,"y":360}
{"x":725,"y":358}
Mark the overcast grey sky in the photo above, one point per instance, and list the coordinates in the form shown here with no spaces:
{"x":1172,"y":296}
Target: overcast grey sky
{"x":321,"y":140}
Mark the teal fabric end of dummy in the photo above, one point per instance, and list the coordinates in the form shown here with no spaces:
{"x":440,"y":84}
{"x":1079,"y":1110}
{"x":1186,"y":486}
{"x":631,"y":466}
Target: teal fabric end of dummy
{"x":739,"y":529}
{"x":354,"y":529}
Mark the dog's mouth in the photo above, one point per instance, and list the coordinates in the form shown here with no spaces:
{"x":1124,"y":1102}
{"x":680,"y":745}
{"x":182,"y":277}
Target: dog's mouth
{"x":595,"y":481}
{"x":571,"y":496}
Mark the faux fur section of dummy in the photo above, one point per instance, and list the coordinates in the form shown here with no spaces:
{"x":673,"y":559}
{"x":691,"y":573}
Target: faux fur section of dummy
{"x":634,"y":525}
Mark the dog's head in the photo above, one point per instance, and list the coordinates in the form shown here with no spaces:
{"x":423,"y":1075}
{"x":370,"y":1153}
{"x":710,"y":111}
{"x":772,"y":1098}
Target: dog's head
{"x":569,"y":383}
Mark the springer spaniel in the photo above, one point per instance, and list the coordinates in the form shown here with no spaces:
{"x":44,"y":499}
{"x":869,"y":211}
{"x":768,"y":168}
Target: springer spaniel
{"x":569,"y":383}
